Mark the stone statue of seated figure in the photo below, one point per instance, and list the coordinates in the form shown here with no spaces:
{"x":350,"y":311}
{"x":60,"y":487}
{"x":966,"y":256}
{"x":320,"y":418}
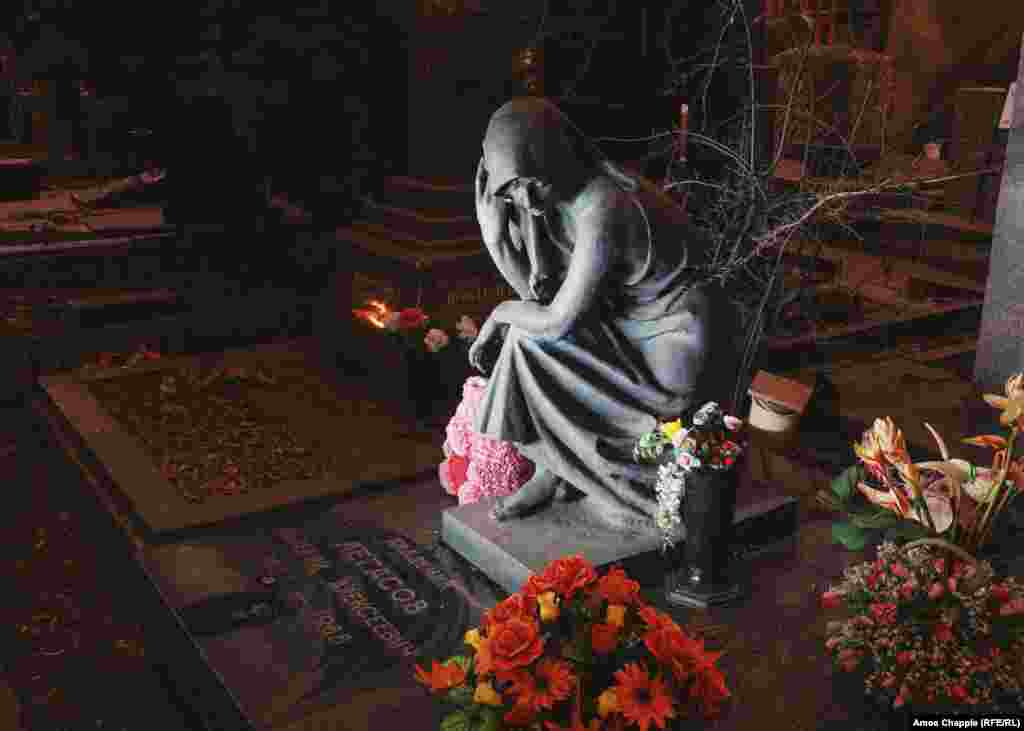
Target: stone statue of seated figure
{"x":610,"y":333}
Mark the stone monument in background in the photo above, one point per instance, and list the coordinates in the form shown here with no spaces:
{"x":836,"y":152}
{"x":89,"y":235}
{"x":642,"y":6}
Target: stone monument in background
{"x":1000,"y":351}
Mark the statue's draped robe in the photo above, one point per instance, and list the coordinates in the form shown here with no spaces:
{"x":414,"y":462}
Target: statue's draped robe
{"x":577,"y":404}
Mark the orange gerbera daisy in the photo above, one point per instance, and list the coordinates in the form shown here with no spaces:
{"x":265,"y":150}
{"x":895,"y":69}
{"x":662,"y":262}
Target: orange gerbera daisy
{"x":655,"y":619}
{"x":675,"y":649}
{"x":442,"y":678}
{"x":551,"y":682}
{"x":709,"y":685}
{"x":641,"y":698}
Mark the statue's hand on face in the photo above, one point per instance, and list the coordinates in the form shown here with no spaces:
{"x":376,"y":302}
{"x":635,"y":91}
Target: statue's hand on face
{"x":491,"y":210}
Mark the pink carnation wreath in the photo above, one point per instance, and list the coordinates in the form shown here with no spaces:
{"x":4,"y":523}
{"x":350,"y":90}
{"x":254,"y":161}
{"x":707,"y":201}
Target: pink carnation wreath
{"x":477,"y":466}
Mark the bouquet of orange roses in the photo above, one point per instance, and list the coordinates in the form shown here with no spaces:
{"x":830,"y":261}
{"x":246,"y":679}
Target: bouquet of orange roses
{"x":572,"y":651}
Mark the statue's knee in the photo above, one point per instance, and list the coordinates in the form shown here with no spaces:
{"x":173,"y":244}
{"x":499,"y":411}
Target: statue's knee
{"x":675,"y":363}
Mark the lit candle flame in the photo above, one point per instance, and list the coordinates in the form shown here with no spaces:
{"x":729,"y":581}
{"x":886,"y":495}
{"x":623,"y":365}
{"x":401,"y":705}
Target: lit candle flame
{"x":377,"y":314}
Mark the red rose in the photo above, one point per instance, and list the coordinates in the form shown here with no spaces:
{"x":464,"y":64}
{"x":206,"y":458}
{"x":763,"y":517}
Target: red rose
{"x":514,"y":644}
{"x":411,"y":318}
{"x":517,"y":606}
{"x":904,"y":658}
{"x":536,"y":585}
{"x":564,"y":576}
{"x":1014,"y":606}
{"x":618,"y":588}
{"x":999,"y":592}
{"x":883,"y":612}
{"x":603,"y":637}
{"x":944,"y":632}
{"x":958,"y":693}
{"x":831,"y":600}
{"x":849,"y":659}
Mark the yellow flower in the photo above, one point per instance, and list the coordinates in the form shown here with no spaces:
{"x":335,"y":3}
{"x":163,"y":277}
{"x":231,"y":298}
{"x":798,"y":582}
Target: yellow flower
{"x":607,"y":703}
{"x":669,"y":429}
{"x":486,"y":694}
{"x":473,"y":638}
{"x":616,"y":615}
{"x":1012,"y":405}
{"x":869,"y":452}
{"x":548,"y":602}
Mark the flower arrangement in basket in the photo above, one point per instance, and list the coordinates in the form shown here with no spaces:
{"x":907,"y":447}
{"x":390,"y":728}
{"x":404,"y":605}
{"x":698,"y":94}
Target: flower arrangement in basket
{"x":574,"y":651}
{"x":713,"y":441}
{"x":930,"y":630}
{"x":952,"y":498}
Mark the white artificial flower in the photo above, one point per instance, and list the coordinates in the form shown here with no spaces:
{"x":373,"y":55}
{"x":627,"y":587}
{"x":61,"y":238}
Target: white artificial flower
{"x":670,"y":490}
{"x":706,"y":414}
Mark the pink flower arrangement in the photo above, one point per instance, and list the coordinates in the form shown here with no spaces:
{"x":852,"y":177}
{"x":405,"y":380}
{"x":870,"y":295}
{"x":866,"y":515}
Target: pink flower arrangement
{"x":925,"y":636}
{"x":475,"y":465}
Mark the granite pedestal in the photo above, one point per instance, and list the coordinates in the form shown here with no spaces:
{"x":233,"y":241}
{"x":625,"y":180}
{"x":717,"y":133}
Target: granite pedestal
{"x":509,"y":552}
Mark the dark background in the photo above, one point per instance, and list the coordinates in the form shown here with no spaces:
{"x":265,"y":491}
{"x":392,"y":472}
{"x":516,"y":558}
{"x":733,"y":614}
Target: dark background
{"x":228,"y":95}
{"x":326,"y":97}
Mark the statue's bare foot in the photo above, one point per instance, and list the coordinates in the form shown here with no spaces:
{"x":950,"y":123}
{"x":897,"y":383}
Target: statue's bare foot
{"x":538,"y":490}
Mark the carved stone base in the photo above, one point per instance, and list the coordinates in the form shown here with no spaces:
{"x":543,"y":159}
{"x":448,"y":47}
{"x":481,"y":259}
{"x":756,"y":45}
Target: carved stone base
{"x":683,"y":592}
{"x":511,"y":551}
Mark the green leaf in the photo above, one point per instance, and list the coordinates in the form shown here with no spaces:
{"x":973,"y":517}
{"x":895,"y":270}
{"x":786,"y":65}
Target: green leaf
{"x":844,"y":486}
{"x":461,"y":696}
{"x":907,"y":530}
{"x":490,"y":720}
{"x":461,"y":660}
{"x":458,"y":721}
{"x":875,"y":518}
{"x":852,"y":537}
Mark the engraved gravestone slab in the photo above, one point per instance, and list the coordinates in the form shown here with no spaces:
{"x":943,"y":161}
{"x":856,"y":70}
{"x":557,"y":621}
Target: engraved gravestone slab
{"x":1001,"y":342}
{"x":322,"y":613}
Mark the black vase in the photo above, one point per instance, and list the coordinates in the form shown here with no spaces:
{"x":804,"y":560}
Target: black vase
{"x":702,"y":575}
